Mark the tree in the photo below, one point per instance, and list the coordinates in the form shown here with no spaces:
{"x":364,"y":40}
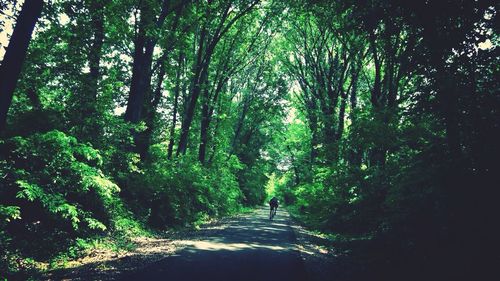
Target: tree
{"x":210,"y":34}
{"x":12,"y":63}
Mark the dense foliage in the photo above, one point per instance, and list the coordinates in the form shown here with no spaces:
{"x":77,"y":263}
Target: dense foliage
{"x":393,"y":139}
{"x":373,"y":119}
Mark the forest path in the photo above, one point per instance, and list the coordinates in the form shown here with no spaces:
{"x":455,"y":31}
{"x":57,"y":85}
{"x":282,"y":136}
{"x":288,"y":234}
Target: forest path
{"x":248,"y":247}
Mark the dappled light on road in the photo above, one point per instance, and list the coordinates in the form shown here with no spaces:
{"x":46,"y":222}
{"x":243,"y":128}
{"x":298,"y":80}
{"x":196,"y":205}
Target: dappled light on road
{"x":249,"y":247}
{"x":216,"y":246}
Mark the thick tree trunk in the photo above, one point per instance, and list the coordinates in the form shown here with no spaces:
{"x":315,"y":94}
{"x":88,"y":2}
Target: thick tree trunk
{"x":447,"y":99}
{"x":12,"y":63}
{"x":140,"y":72}
{"x":140,"y":101}
{"x":140,"y":86}
{"x":449,"y":107}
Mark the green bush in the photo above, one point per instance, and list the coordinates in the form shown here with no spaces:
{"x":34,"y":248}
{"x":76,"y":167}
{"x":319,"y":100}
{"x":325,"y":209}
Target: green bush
{"x":183,"y":191}
{"x":53,"y":185}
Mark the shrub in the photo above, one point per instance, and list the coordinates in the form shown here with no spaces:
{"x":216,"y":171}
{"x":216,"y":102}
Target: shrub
{"x":52,"y":184}
{"x":184,"y":191}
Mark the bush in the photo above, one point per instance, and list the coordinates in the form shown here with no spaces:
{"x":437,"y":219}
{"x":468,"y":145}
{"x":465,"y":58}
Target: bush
{"x":183,"y":191}
{"x":52,"y":185}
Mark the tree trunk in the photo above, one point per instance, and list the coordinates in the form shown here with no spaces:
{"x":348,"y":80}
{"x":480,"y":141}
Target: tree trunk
{"x":206,"y":116}
{"x":97,"y":11}
{"x":139,"y":72}
{"x":214,"y":144}
{"x":340,"y":127}
{"x":354,"y":151}
{"x":140,"y":89}
{"x":140,"y":86}
{"x":144,"y":138}
{"x":239,"y":125}
{"x":176,"y":104}
{"x":205,"y":126}
{"x":204,"y":57}
{"x":15,"y":55}
{"x":294,"y":166}
{"x":90,"y":130}
{"x":376,"y":91}
{"x":198,"y":80}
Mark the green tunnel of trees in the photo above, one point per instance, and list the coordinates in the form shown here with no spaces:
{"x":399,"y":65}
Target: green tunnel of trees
{"x":372,"y":118}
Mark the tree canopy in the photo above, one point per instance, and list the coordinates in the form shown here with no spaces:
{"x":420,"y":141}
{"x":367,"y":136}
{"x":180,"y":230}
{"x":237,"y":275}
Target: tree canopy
{"x":369,"y":118}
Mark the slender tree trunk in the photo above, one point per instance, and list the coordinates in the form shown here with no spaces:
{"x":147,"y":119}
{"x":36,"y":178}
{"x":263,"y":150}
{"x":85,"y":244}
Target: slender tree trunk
{"x":329,"y":134}
{"x":376,"y":91}
{"x":354,"y":151}
{"x":145,"y":136}
{"x":313,"y":127}
{"x":188,"y":116}
{"x":294,"y":166}
{"x":206,"y":117}
{"x":239,"y":126}
{"x":12,"y":63}
{"x":204,"y":58}
{"x":198,"y":79}
{"x":175,"y":105}
{"x":340,"y":127}
{"x":97,"y":11}
{"x":216,"y":130}
{"x":205,"y":126}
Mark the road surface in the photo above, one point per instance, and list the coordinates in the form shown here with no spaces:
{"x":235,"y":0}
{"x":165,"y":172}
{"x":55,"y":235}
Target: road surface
{"x":249,"y":247}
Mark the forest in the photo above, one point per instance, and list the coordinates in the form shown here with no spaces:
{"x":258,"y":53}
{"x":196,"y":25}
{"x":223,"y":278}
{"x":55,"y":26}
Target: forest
{"x":373,"y":120}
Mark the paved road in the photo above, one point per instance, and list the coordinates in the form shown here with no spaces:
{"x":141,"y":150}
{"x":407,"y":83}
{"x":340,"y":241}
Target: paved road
{"x":250,"y":247}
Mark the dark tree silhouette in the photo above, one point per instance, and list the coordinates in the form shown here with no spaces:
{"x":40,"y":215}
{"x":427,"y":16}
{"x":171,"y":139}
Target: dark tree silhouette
{"x":12,"y":63}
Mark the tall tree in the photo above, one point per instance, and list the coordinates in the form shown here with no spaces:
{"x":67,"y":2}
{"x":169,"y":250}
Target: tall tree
{"x":211,"y":32}
{"x":12,"y":63}
{"x":139,"y":99}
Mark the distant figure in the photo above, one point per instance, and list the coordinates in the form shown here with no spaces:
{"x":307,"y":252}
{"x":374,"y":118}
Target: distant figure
{"x":273,"y":205}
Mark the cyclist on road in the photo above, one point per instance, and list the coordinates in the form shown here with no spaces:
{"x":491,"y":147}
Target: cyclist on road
{"x":273,"y":206}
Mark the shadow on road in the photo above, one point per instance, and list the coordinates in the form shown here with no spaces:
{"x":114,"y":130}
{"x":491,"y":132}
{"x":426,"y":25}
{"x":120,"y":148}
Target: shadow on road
{"x":251,"y":247}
